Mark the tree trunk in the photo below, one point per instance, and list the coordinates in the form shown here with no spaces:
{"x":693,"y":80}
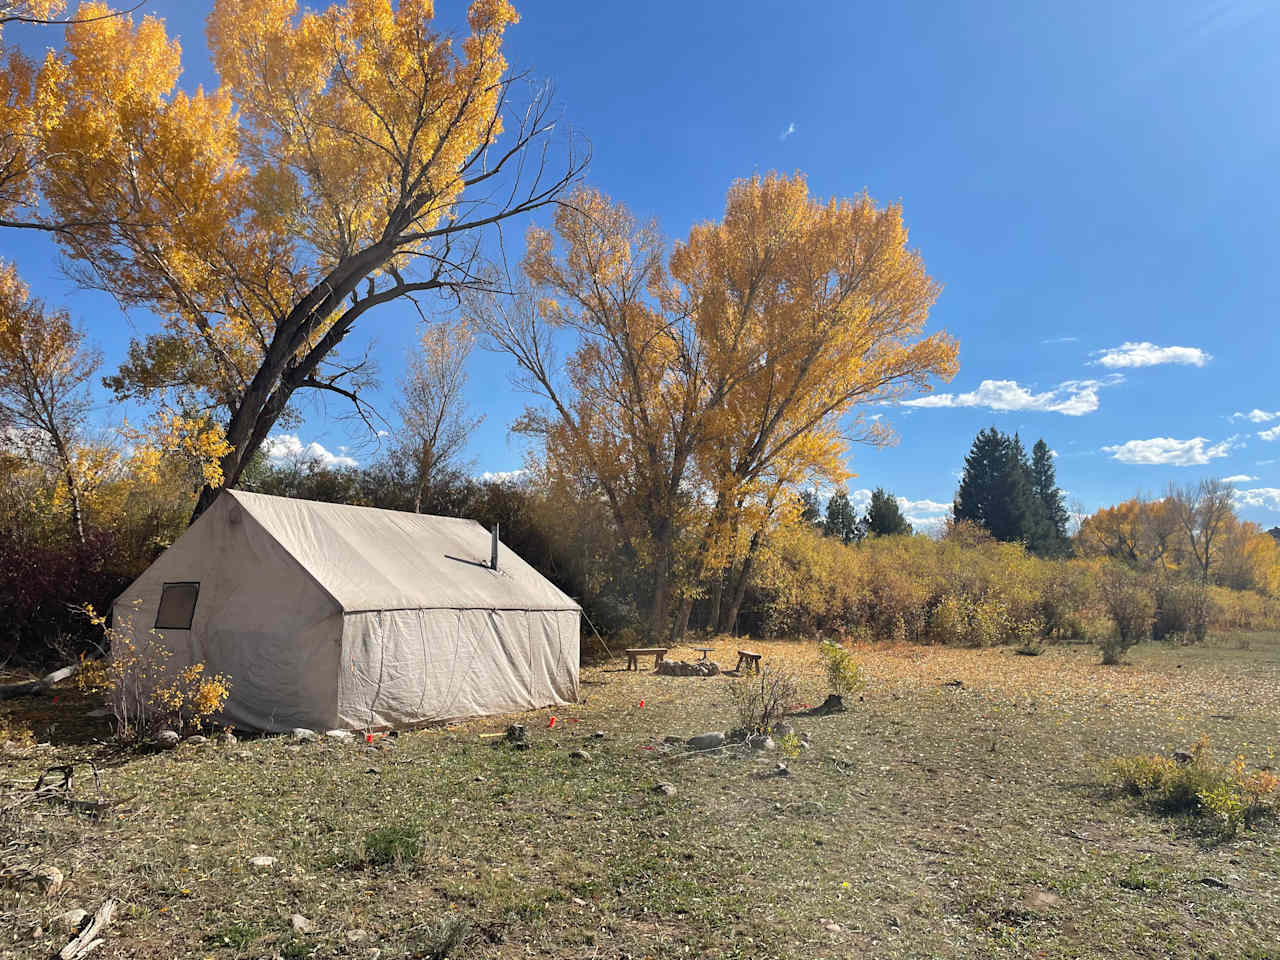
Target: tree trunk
{"x":730,"y":621}
{"x":717,"y":595}
{"x":682,"y":620}
{"x":73,"y":487}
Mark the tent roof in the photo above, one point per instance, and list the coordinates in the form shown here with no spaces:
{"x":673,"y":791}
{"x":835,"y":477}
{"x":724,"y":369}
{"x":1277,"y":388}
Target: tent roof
{"x":370,"y":559}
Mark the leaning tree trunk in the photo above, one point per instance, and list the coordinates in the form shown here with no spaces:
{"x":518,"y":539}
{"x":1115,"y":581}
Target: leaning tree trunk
{"x":730,"y":622}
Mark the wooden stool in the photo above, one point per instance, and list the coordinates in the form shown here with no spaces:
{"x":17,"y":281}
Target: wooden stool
{"x":635,"y":652}
{"x":752,"y":660}
{"x":704,"y":651}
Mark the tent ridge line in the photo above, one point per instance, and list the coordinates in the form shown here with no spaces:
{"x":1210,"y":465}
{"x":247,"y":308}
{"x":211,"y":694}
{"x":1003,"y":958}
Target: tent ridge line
{"x":476,"y":606}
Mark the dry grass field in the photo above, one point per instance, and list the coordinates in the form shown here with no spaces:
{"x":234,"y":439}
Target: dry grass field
{"x":933,"y":819}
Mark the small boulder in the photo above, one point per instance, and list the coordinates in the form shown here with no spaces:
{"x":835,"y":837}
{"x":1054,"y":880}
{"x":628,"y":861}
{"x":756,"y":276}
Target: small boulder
{"x":262,"y":863}
{"x":301,"y":924}
{"x":579,"y":755}
{"x":782,"y":729}
{"x":227,"y":738}
{"x":197,"y":740}
{"x":357,"y":936}
{"x":759,"y":741}
{"x":664,"y":789}
{"x":707,"y":741}
{"x":302,"y":734}
{"x":781,"y":770}
{"x":70,"y":921}
{"x":1183,"y":757}
{"x":168,"y":739}
{"x":342,"y":736}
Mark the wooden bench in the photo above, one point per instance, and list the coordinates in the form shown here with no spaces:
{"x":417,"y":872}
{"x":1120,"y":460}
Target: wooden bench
{"x":752,"y":660}
{"x":634,"y":652}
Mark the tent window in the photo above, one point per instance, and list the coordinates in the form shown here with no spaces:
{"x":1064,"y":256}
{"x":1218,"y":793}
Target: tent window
{"x":177,"y":606}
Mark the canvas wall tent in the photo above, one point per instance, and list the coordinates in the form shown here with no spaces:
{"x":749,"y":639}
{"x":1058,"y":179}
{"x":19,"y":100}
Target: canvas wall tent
{"x":328,"y":616}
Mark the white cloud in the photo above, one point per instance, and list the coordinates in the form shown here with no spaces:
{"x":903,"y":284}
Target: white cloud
{"x":1239,"y":478}
{"x":1272,"y":434}
{"x":1265,"y":498}
{"x":1149,"y":355}
{"x":919,"y":507}
{"x":1256,"y":416}
{"x":1166,"y":451}
{"x":289,"y":448}
{"x":503,"y":476}
{"x":791,"y":128}
{"x":1072,"y":397}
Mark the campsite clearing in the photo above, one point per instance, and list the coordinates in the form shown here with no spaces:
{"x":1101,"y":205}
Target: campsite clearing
{"x":957,"y":810}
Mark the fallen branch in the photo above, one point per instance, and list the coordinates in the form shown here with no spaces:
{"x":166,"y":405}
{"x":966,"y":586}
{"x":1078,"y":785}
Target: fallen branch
{"x":34,"y":688}
{"x":88,"y":939}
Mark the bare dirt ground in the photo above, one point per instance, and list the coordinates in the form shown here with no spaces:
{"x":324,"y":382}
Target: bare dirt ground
{"x":934,"y":818}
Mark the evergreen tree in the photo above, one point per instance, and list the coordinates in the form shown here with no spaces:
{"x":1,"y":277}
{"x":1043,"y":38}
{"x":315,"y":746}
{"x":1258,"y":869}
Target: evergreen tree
{"x":996,"y":490}
{"x":1051,"y":536}
{"x":810,"y":511}
{"x":884,"y":517}
{"x":842,"y":521}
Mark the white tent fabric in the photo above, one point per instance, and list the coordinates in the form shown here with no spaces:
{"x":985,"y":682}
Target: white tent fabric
{"x":326,"y":616}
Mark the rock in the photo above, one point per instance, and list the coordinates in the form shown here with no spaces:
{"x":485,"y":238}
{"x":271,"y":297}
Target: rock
{"x":758,"y":741}
{"x":227,"y":738}
{"x":302,"y":734}
{"x":168,"y":739}
{"x":783,"y":729}
{"x":196,"y":740}
{"x":37,"y":932}
{"x":579,"y":755}
{"x":781,"y":770}
{"x":833,"y":704}
{"x":1215,"y":883}
{"x":707,"y":741}
{"x":598,"y":735}
{"x":1183,"y":757}
{"x":832,"y":927}
{"x":517,"y":732}
{"x":1040,"y":900}
{"x":48,"y":877}
{"x":70,"y":921}
{"x":664,"y":789}
{"x":301,"y":924}
{"x":357,"y":936}
{"x":682,"y":668}
{"x":262,"y":863}
{"x":672,"y":740}
{"x":342,"y":736}
{"x":242,"y":755}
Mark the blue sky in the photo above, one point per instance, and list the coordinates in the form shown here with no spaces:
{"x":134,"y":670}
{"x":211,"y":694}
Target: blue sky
{"x":1094,"y":184}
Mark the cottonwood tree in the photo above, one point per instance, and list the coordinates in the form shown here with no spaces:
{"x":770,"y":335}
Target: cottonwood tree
{"x":45,"y":368}
{"x":1203,"y":512}
{"x":348,"y":159}
{"x":434,"y":420}
{"x":701,"y":376}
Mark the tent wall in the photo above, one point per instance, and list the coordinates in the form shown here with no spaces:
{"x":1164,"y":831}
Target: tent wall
{"x":259,"y":618}
{"x":409,"y":666}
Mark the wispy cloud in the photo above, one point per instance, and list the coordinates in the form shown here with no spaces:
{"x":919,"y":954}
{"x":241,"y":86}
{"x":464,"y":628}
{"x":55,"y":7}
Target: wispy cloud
{"x":1073,"y":398}
{"x":791,"y":129}
{"x":1166,"y":451}
{"x":1269,"y":435}
{"x":289,"y":448}
{"x":1061,"y":340}
{"x":1239,"y":478}
{"x":1256,"y":416}
{"x":1149,"y":355}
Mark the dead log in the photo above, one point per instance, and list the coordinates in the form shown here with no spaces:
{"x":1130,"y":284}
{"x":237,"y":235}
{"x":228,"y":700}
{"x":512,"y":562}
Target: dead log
{"x":34,"y":688}
{"x":88,"y":939}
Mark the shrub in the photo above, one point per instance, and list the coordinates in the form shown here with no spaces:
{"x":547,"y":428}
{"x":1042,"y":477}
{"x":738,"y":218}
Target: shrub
{"x":143,"y":692}
{"x":762,"y":701}
{"x":393,"y":845}
{"x":1131,"y":607}
{"x":1183,"y":610}
{"x":1230,"y":795}
{"x":844,"y":676}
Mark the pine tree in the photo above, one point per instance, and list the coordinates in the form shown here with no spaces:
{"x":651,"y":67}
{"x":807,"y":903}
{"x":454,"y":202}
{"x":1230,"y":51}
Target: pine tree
{"x":842,"y":521}
{"x":884,"y":517}
{"x":1051,"y":539}
{"x":996,"y":490}
{"x":810,"y":511}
